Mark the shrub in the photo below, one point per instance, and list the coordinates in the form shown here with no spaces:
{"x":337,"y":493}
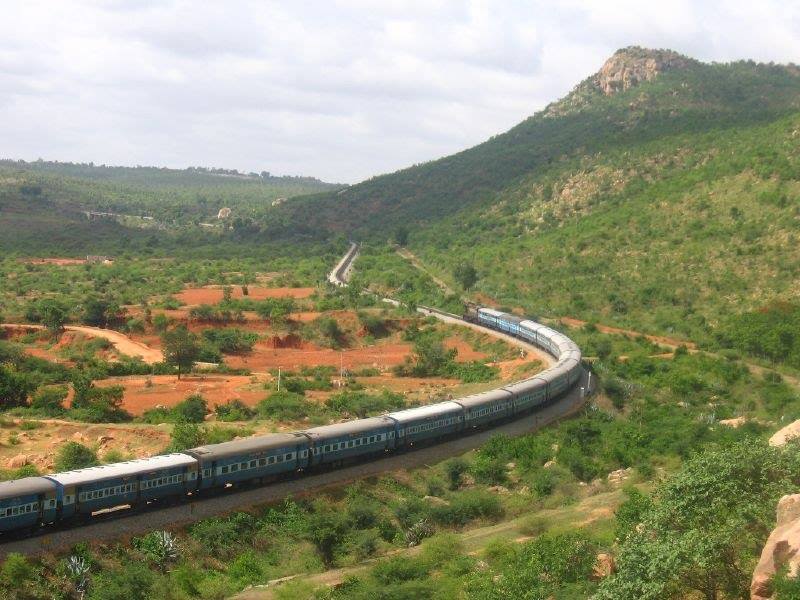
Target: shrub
{"x":231,"y":340}
{"x":185,"y":436}
{"x":467,"y":506}
{"x":50,"y":400}
{"x":286,"y":406}
{"x":454,"y":470}
{"x":16,"y":571}
{"x":235,"y":410}
{"x":73,"y":455}
{"x":362,"y":404}
{"x":132,"y":581}
{"x":191,"y":410}
{"x":491,"y":471}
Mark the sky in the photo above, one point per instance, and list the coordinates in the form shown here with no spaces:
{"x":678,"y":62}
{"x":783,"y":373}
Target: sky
{"x":337,"y":89}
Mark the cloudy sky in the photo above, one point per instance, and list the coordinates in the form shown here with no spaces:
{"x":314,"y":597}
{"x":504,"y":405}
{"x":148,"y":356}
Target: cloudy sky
{"x":338,"y":89}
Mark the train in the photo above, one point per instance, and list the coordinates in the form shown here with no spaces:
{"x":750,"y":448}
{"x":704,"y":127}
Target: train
{"x":32,"y":503}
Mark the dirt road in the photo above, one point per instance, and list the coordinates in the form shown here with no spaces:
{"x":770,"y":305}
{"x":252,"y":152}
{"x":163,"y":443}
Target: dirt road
{"x":121,"y":342}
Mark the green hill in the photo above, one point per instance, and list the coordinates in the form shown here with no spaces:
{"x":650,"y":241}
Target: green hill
{"x":165,"y":195}
{"x":661,"y":193}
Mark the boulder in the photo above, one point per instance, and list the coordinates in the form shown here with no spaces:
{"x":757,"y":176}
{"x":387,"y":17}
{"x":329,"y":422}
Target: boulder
{"x":782,"y":549}
{"x":785,"y":434}
{"x":20,"y":460}
{"x":548,"y":464}
{"x":498,"y":489}
{"x":102,"y":439}
{"x":733,"y":423}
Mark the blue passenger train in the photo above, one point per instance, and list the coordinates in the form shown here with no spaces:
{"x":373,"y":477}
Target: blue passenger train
{"x":30,"y":503}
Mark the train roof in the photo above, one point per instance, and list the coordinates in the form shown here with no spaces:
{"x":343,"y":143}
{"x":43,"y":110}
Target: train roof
{"x":422,"y":412}
{"x":129,"y":468}
{"x":256,"y":443}
{"x":27,"y":486}
{"x":526,"y":384}
{"x":350,"y":427}
{"x":491,"y":311}
{"x":483,"y":398}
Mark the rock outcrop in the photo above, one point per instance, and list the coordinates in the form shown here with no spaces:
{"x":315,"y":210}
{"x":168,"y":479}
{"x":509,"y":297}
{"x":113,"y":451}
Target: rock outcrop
{"x":780,"y":437}
{"x":631,"y":66}
{"x":781,"y":550}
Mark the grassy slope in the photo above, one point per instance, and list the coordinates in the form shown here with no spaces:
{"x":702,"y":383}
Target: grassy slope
{"x":665,"y":207}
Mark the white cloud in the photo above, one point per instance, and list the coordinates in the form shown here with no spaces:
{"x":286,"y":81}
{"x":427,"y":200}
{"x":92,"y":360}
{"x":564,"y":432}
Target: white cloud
{"x":340,"y":89}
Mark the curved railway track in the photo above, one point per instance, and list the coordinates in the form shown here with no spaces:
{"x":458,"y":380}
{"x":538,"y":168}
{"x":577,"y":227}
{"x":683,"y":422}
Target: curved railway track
{"x":123,"y":523}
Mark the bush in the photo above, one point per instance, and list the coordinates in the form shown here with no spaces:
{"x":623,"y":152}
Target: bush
{"x":73,"y":455}
{"x":286,"y":406}
{"x":231,"y":340}
{"x":454,"y":470}
{"x":133,"y":581}
{"x":399,"y":569}
{"x":235,"y":410}
{"x":16,"y":571}
{"x":467,"y":506}
{"x":49,"y":401}
{"x":185,"y":436}
{"x":362,"y":404}
{"x":490,"y":471}
{"x":191,"y":410}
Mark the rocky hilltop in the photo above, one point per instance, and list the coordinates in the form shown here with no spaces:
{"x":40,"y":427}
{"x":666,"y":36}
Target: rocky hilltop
{"x":633,"y":65}
{"x":625,"y":69}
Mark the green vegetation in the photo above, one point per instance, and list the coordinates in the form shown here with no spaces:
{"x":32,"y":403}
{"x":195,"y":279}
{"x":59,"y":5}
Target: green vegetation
{"x":73,"y":455}
{"x":181,"y":349}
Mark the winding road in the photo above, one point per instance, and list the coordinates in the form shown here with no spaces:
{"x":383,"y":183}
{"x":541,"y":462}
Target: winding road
{"x":121,"y":342}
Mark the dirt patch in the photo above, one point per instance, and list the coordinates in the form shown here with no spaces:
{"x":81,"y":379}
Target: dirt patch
{"x":213,"y":294}
{"x":265,"y":357}
{"x":466,"y":353}
{"x":144,"y":393}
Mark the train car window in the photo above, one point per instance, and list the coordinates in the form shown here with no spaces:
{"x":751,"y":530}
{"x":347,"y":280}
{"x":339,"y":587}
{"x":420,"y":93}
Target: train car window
{"x":288,"y":457}
{"x":262,"y":462}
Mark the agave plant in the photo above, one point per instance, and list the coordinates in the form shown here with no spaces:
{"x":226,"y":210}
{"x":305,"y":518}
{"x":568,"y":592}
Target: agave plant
{"x":77,"y":570}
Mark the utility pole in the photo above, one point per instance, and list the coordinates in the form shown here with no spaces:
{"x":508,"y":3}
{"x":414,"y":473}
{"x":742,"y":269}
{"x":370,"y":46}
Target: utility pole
{"x":279,"y":379}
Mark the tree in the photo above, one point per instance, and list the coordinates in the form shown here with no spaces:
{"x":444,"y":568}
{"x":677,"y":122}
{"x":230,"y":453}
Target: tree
{"x":73,"y":455}
{"x":100,"y":312}
{"x":181,"y":348}
{"x":53,"y":315}
{"x":466,"y":275}
{"x":161,"y":322}
{"x":401,"y":236}
{"x":706,"y":525}
{"x":14,"y":387}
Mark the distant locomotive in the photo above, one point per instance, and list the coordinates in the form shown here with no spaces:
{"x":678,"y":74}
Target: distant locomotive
{"x":33,"y":502}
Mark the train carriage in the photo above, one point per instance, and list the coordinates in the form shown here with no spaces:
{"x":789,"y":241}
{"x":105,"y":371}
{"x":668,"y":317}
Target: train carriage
{"x":85,"y":491}
{"x":350,"y":439}
{"x":27,"y":503}
{"x":251,"y":458}
{"x":528,"y":394}
{"x":486,"y":407}
{"x":427,"y":422}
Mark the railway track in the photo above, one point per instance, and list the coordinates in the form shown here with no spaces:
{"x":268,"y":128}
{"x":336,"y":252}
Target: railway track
{"x":125,"y":523}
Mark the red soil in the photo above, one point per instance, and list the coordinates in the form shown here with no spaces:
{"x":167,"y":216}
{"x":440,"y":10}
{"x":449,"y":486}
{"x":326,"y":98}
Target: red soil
{"x":213,"y":295}
{"x":166,"y":390}
{"x":266,"y":356}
